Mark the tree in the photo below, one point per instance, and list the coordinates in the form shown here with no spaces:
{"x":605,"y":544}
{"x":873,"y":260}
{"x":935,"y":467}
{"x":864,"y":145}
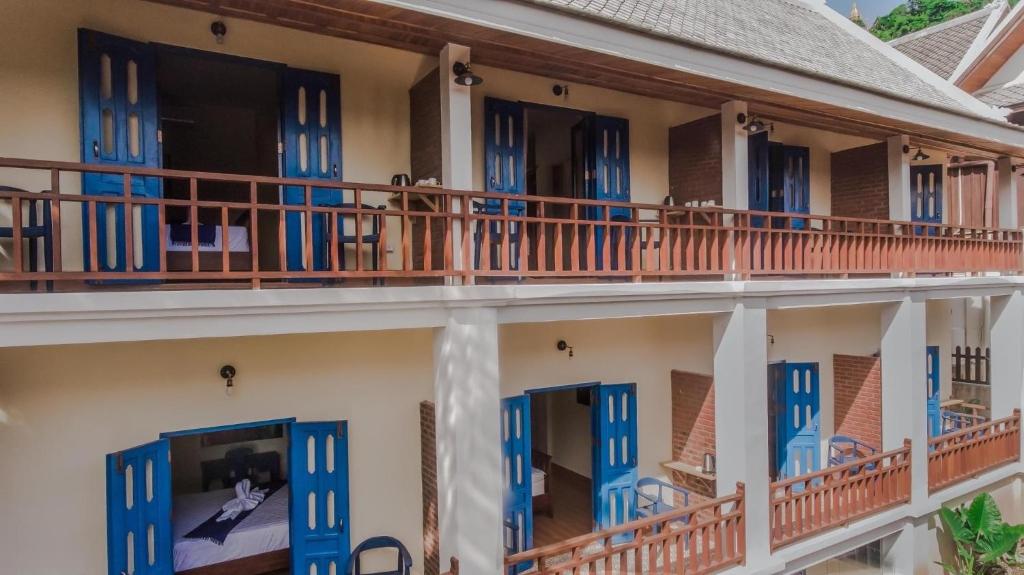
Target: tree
{"x":985,"y":545}
{"x":916,"y":15}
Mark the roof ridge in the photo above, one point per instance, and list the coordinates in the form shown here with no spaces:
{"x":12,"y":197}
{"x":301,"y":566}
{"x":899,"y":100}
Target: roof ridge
{"x":963,"y":19}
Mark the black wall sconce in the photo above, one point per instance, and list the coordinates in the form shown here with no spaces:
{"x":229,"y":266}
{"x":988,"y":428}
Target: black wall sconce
{"x":227,"y":372}
{"x":464,"y":75}
{"x":920,"y":155}
{"x":219,"y":29}
{"x":752,"y":124}
{"x":562,"y":345}
{"x":560,"y":90}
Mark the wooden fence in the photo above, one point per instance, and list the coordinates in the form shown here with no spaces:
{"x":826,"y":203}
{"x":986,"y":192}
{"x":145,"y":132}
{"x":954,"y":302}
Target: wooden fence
{"x":693,"y":540}
{"x":971,"y":365}
{"x":406,"y":234}
{"x":962,"y":454}
{"x":810,"y":504}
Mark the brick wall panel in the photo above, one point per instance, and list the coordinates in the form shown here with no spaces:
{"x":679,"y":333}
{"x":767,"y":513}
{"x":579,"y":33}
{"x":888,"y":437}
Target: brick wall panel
{"x":858,"y":397}
{"x":695,"y":161}
{"x":428,"y":462}
{"x":860,"y":182}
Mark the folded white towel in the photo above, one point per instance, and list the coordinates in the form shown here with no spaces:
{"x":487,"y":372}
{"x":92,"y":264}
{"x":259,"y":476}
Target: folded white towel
{"x":246,"y":499}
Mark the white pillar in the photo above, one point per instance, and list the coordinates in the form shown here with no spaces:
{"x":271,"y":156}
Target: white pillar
{"x":469,"y":478}
{"x":734,"y":157}
{"x":899,"y":178}
{"x":1006,"y":338}
{"x":456,"y":136}
{"x":905,"y":388}
{"x":908,"y":551}
{"x":741,"y":417}
{"x":1007,"y":193}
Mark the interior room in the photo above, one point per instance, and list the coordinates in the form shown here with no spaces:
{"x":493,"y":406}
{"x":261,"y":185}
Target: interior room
{"x":561,"y":456}
{"x":230,"y":500}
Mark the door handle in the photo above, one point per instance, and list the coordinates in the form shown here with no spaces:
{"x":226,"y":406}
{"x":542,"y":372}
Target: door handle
{"x":95,"y":149}
{"x":341,"y":525}
{"x":335,"y":168}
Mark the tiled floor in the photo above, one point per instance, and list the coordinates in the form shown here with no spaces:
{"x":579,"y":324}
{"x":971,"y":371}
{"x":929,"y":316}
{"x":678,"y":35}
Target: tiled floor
{"x":570,"y":499}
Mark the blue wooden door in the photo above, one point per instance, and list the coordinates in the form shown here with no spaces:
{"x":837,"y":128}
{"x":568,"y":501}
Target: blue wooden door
{"x":615,"y":453}
{"x":311,"y":129}
{"x":926,"y":194}
{"x":934,"y":409}
{"x":796,"y":179}
{"x":757,"y":175}
{"x":517,"y":468}
{"x":504,"y":149}
{"x":139,"y":510}
{"x":798,"y":435}
{"x":119,"y":121}
{"x":609,"y":151}
{"x":318,"y":478}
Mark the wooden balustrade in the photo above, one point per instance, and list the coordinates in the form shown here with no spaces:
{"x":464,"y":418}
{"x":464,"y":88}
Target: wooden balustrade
{"x":971,"y":365}
{"x":693,"y":540}
{"x":810,"y":504}
{"x":409,"y":234}
{"x":965,"y":453}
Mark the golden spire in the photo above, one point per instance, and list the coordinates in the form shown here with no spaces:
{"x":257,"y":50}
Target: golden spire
{"x":854,"y":12}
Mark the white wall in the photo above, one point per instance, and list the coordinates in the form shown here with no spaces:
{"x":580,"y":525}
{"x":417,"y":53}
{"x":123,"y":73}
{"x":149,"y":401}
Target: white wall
{"x":569,"y":432}
{"x":644,"y":351}
{"x":63,"y":408}
{"x":939,"y":318}
{"x":815,"y":335}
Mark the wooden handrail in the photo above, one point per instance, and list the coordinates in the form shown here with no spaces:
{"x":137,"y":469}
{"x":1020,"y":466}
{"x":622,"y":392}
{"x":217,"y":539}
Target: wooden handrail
{"x":807,"y":505}
{"x":968,"y":452}
{"x":697,"y":539}
{"x":428,"y":230}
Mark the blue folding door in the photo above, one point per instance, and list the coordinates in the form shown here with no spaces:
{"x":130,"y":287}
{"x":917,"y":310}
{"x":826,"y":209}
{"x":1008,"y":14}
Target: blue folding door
{"x":139,"y":510}
{"x":926,"y":195}
{"x":757,"y":176}
{"x":609,"y":153}
{"x":796,"y":181}
{"x":318,"y":476}
{"x":934,"y":411}
{"x":117,"y":91}
{"x":615,"y":453}
{"x":505,"y":173}
{"x":798,"y":433}
{"x":311,"y":128}
{"x":517,"y":468}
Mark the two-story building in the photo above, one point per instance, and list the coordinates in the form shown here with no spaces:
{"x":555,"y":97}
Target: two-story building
{"x":569,"y":286}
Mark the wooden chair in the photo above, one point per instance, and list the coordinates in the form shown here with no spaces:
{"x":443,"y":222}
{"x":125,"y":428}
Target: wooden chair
{"x":33,"y":231}
{"x":542,"y":503}
{"x":404,"y":562}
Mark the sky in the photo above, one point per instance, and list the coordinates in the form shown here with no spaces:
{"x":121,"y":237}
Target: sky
{"x":869,"y":9}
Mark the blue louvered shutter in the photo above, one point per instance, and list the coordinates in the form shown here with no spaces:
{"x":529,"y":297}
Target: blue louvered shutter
{"x":797,"y":182}
{"x":517,"y":468}
{"x":926,"y":196}
{"x":614,"y":468}
{"x":934,"y":404}
{"x":318,"y":478}
{"x":119,"y":122}
{"x":504,"y":152}
{"x":139,"y":510}
{"x":311,"y":130}
{"x":799,"y":421}
{"x":757,"y":175}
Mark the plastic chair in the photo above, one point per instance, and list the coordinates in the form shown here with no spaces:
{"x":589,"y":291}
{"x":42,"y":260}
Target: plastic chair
{"x":953,"y":421}
{"x":647,"y":504}
{"x":844,"y":449}
{"x":33,"y":231}
{"x":372,"y":238}
{"x":404,"y":562}
{"x":516,"y":208}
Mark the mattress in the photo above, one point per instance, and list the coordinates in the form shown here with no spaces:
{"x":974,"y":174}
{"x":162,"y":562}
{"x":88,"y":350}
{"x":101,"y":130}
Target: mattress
{"x":263,"y":530}
{"x":537,"y":478}
{"x":238,"y":241}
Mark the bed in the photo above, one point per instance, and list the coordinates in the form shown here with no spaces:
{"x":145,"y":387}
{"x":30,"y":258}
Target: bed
{"x":259,"y":543}
{"x":179,"y":248}
{"x":540,"y":477}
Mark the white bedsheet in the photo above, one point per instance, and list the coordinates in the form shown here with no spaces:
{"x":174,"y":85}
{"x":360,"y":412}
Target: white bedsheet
{"x":265,"y":529}
{"x":537,"y":478}
{"x":238,"y":241}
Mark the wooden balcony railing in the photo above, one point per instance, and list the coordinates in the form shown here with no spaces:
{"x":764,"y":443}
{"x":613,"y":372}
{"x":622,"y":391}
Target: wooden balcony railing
{"x":402,"y":235}
{"x":810,"y":504}
{"x":693,"y":540}
{"x":962,"y":454}
{"x":971,"y":365}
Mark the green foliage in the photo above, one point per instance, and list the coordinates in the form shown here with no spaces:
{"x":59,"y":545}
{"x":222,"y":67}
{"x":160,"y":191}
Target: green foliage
{"x":985,"y":545}
{"x":915,"y":15}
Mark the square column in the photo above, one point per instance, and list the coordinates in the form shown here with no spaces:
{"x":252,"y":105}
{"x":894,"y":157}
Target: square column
{"x":905,"y":388}
{"x":734,"y":157}
{"x":469,"y":475}
{"x":456,"y":137}
{"x":899,"y":178}
{"x":1006,"y":192}
{"x":741,"y":415}
{"x":908,"y":551}
{"x":1006,"y":340}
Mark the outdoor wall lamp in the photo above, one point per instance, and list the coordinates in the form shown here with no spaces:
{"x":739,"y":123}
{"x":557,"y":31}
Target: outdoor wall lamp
{"x":920,"y":155}
{"x":219,"y":29}
{"x":560,"y":90}
{"x":562,"y":345}
{"x":752,"y":124}
{"x":464,"y":75}
{"x":227,"y":372}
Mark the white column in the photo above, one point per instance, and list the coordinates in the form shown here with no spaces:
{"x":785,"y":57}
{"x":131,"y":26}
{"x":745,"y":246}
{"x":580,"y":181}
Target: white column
{"x":1006,"y":187}
{"x":1006,"y":337}
{"x":908,"y":551}
{"x":456,"y":136}
{"x":899,"y":178}
{"x":469,"y":479}
{"x":734,"y":157}
{"x":741,"y":417}
{"x":905,"y":387}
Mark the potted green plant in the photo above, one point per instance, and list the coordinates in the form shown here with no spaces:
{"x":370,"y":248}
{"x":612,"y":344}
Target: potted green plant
{"x":985,"y":544}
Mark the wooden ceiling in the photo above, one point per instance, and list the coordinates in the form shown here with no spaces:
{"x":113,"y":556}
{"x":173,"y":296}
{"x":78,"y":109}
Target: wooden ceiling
{"x":368,"y":21}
